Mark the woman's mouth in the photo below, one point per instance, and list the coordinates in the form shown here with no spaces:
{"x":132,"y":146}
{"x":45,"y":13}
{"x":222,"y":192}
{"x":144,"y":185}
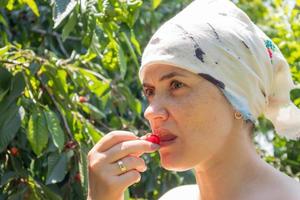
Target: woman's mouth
{"x":166,"y":138}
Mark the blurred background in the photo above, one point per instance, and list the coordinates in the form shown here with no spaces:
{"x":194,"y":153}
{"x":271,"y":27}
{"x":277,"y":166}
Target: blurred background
{"x":68,"y":75}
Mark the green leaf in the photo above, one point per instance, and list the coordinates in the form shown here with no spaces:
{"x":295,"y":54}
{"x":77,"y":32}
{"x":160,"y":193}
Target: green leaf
{"x":83,"y":6}
{"x":69,"y":27}
{"x":5,"y":82}
{"x":57,"y":168}
{"x":134,"y":4}
{"x":134,"y":105}
{"x":32,"y":5}
{"x":35,"y":191}
{"x":37,"y":133}
{"x":131,"y":50}
{"x":95,"y":113}
{"x":18,"y":85}
{"x":90,"y":26}
{"x":10,"y":120}
{"x":9,"y":125}
{"x":7,"y":177}
{"x":126,"y":195}
{"x":58,"y":82}
{"x":155,"y":3}
{"x":16,"y":88}
{"x":55,"y":130}
{"x":10,"y":4}
{"x":34,"y":67}
{"x":49,"y":194}
{"x":3,"y":21}
{"x":122,"y":61}
{"x":135,"y":42}
{"x":19,"y":194}
{"x":3,"y":3}
{"x":3,"y":93}
{"x":95,"y":134}
{"x":62,"y":80}
{"x":61,"y":9}
{"x":94,"y":84}
{"x":137,"y":106}
{"x":83,"y":167}
{"x":5,"y":49}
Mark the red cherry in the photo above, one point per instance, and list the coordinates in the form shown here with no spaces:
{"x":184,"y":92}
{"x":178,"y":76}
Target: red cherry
{"x":153,"y":138}
{"x":14,"y":151}
{"x":71,"y":144}
{"x":77,"y":177}
{"x":83,"y":99}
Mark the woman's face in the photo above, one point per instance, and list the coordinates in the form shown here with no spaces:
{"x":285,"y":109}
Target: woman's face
{"x":189,"y":112}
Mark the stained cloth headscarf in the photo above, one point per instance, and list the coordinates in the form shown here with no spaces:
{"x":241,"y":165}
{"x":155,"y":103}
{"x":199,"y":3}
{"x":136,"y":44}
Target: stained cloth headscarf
{"x":217,"y":40}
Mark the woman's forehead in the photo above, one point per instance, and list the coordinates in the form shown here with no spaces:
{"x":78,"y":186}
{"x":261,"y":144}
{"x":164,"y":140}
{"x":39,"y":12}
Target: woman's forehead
{"x":163,"y":71}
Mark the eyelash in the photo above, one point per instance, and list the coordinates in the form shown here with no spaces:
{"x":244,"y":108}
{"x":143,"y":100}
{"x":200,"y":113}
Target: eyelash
{"x":171,"y":85}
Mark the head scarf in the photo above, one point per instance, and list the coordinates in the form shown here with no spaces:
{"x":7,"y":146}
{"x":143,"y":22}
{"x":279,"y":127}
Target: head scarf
{"x":217,"y":40}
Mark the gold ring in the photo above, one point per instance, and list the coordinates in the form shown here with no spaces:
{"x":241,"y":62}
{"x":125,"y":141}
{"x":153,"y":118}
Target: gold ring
{"x":122,"y":166}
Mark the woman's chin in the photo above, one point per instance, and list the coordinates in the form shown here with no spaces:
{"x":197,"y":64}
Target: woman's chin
{"x":170,"y":163}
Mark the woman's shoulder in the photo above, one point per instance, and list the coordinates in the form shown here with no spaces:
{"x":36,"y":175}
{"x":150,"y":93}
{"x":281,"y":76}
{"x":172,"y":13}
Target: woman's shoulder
{"x":188,"y":192}
{"x":291,"y":189}
{"x":280,"y":186}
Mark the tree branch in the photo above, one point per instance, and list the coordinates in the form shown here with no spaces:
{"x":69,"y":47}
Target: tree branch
{"x":55,"y":34}
{"x":58,"y":108}
{"x":13,"y":62}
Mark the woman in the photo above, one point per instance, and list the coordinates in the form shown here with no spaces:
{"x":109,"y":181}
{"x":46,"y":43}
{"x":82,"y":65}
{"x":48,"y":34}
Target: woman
{"x":208,"y":73}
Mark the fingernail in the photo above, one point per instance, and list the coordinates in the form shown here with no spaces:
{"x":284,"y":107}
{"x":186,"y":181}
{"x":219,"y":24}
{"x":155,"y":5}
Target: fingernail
{"x":138,"y":180}
{"x":154,"y":146}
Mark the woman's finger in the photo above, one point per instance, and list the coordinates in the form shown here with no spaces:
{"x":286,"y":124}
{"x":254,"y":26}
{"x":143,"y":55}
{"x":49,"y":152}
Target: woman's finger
{"x":130,"y":147}
{"x":130,"y":163}
{"x":112,"y":139}
{"x":129,"y":178}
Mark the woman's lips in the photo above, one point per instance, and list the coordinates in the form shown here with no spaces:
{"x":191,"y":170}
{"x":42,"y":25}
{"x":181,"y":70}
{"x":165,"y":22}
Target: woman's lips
{"x":165,"y":137}
{"x":168,"y":137}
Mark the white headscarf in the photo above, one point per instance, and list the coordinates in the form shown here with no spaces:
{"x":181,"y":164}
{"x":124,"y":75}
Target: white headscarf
{"x":217,"y":40}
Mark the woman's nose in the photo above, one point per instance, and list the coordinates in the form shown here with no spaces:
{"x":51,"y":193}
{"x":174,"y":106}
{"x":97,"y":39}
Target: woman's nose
{"x":155,"y":112}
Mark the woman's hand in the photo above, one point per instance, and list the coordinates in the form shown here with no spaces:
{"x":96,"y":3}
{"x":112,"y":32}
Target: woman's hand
{"x":107,"y":181}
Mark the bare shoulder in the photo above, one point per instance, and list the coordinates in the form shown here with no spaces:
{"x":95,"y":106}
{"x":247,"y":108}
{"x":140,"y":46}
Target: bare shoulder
{"x":292,"y":189}
{"x":188,"y":192}
{"x":285,"y":187}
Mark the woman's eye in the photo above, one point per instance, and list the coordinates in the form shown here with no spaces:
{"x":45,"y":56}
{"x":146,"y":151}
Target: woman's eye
{"x":148,"y":92}
{"x":176,"y":84}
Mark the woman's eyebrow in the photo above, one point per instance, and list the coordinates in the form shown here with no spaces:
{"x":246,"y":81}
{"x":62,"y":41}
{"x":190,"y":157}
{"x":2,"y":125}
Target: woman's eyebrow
{"x":165,"y":77}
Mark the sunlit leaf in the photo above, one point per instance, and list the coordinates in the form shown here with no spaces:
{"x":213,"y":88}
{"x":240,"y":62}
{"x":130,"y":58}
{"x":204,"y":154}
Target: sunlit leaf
{"x":61,"y":9}
{"x":155,"y":3}
{"x":37,"y":132}
{"x":33,"y":6}
{"x":3,"y":21}
{"x":122,"y":62}
{"x":69,"y":27}
{"x":95,"y":134}
{"x":55,"y":129}
{"x":95,"y":113}
{"x":83,"y":167}
{"x":135,"y":42}
{"x":10,"y":4}
{"x":5,"y":49}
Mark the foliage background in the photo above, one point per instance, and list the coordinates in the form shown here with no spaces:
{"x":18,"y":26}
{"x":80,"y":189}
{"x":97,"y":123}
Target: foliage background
{"x":68,"y":75}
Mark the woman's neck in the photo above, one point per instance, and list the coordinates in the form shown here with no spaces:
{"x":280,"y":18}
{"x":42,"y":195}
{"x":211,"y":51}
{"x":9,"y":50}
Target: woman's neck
{"x":232,"y":169}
